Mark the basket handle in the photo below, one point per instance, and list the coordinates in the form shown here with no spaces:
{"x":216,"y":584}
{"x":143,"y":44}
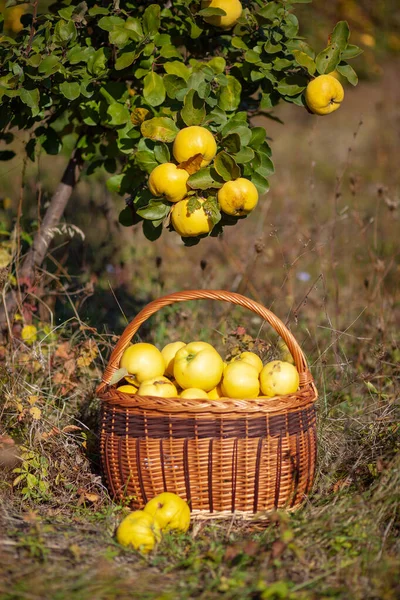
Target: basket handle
{"x":233,"y":298}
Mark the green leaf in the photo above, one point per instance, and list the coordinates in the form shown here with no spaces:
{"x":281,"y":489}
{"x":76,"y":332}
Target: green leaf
{"x":265,"y":165}
{"x":134,"y":28}
{"x":119,"y":114}
{"x":127,"y":217}
{"x":161,"y":129}
{"x":97,"y":63}
{"x":245,"y":155}
{"x":217,"y":64}
{"x":177,"y":68}
{"x":109,"y":23}
{"x":304,"y":60}
{"x":203,"y":180}
{"x":30,"y":97}
{"x":291,"y":85}
{"x":152,"y":231}
{"x":229,"y":96}
{"x":301,"y":46}
{"x":114,"y":183}
{"x":146,"y":160}
{"x":340,"y":35}
{"x":34,"y":60}
{"x":260,"y":182}
{"x":30,"y":149}
{"x":348,"y":72}
{"x":258,"y":135}
{"x":231,"y":142}
{"x":71,"y":90}
{"x":271,"y":11}
{"x":78,"y":54}
{"x":170,"y":51}
{"x":193,"y":111}
{"x":211,"y":209}
{"x":125,"y":60}
{"x":291,"y":27}
{"x":328,"y":59}
{"x":226,"y":166}
{"x":155,"y":210}
{"x":49,"y":140}
{"x":64,"y":33}
{"x":118,"y":375}
{"x":238,"y":42}
{"x":244,"y":133}
{"x":119,"y":36}
{"x":161,"y":153}
{"x":212,"y":12}
{"x":237,"y":120}
{"x":154,"y":89}
{"x":151,"y":19}
{"x":351,"y":52}
{"x":49,"y":65}
{"x":173,"y":84}
{"x":252,"y":57}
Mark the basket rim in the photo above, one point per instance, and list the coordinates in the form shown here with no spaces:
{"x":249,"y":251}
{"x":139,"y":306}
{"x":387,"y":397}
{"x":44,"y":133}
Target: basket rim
{"x":304,"y":397}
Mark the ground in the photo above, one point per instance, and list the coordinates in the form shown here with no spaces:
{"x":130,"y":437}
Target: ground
{"x":322,"y":252}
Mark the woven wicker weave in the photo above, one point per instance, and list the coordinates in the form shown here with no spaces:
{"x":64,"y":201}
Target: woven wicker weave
{"x":223,"y":456}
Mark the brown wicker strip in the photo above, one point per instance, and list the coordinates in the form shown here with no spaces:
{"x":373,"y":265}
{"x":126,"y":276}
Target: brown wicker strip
{"x":223,"y":455}
{"x":245,"y":427}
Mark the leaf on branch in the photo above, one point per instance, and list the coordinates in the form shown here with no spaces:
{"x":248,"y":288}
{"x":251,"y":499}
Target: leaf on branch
{"x":203,"y":180}
{"x":71,"y":90}
{"x":155,"y":210}
{"x":177,"y":68}
{"x":119,"y":114}
{"x":151,"y":19}
{"x":328,"y":59}
{"x":193,"y":205}
{"x":138,"y":115}
{"x":154,"y":89}
{"x":304,"y":60}
{"x":340,"y":35}
{"x":161,"y":129}
{"x":161,"y":153}
{"x":226,"y":166}
{"x":193,"y":111}
{"x":229,"y":96}
{"x":351,"y":52}
{"x":348,"y":72}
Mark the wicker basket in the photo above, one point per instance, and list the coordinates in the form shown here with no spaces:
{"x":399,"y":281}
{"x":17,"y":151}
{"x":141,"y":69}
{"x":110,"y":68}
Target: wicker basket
{"x":223,"y":456}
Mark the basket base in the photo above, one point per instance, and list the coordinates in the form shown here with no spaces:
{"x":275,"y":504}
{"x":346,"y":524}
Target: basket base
{"x":240,"y":515}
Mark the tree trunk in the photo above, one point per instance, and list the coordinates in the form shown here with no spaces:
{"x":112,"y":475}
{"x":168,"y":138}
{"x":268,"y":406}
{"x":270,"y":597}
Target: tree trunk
{"x":43,"y":237}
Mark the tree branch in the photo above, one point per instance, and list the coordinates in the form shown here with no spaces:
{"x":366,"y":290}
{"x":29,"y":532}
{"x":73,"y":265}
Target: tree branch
{"x":43,"y":237}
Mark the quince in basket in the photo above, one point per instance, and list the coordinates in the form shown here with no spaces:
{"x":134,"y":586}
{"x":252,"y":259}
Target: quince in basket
{"x":158,"y":386}
{"x":198,"y":365}
{"x":198,"y":370}
{"x":251,"y":358}
{"x":143,"y":362}
{"x":168,"y":352}
{"x":279,"y":378}
{"x":193,"y":394}
{"x":240,"y":380}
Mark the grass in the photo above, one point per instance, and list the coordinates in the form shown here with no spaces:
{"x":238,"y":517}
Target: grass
{"x":322,"y":252}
